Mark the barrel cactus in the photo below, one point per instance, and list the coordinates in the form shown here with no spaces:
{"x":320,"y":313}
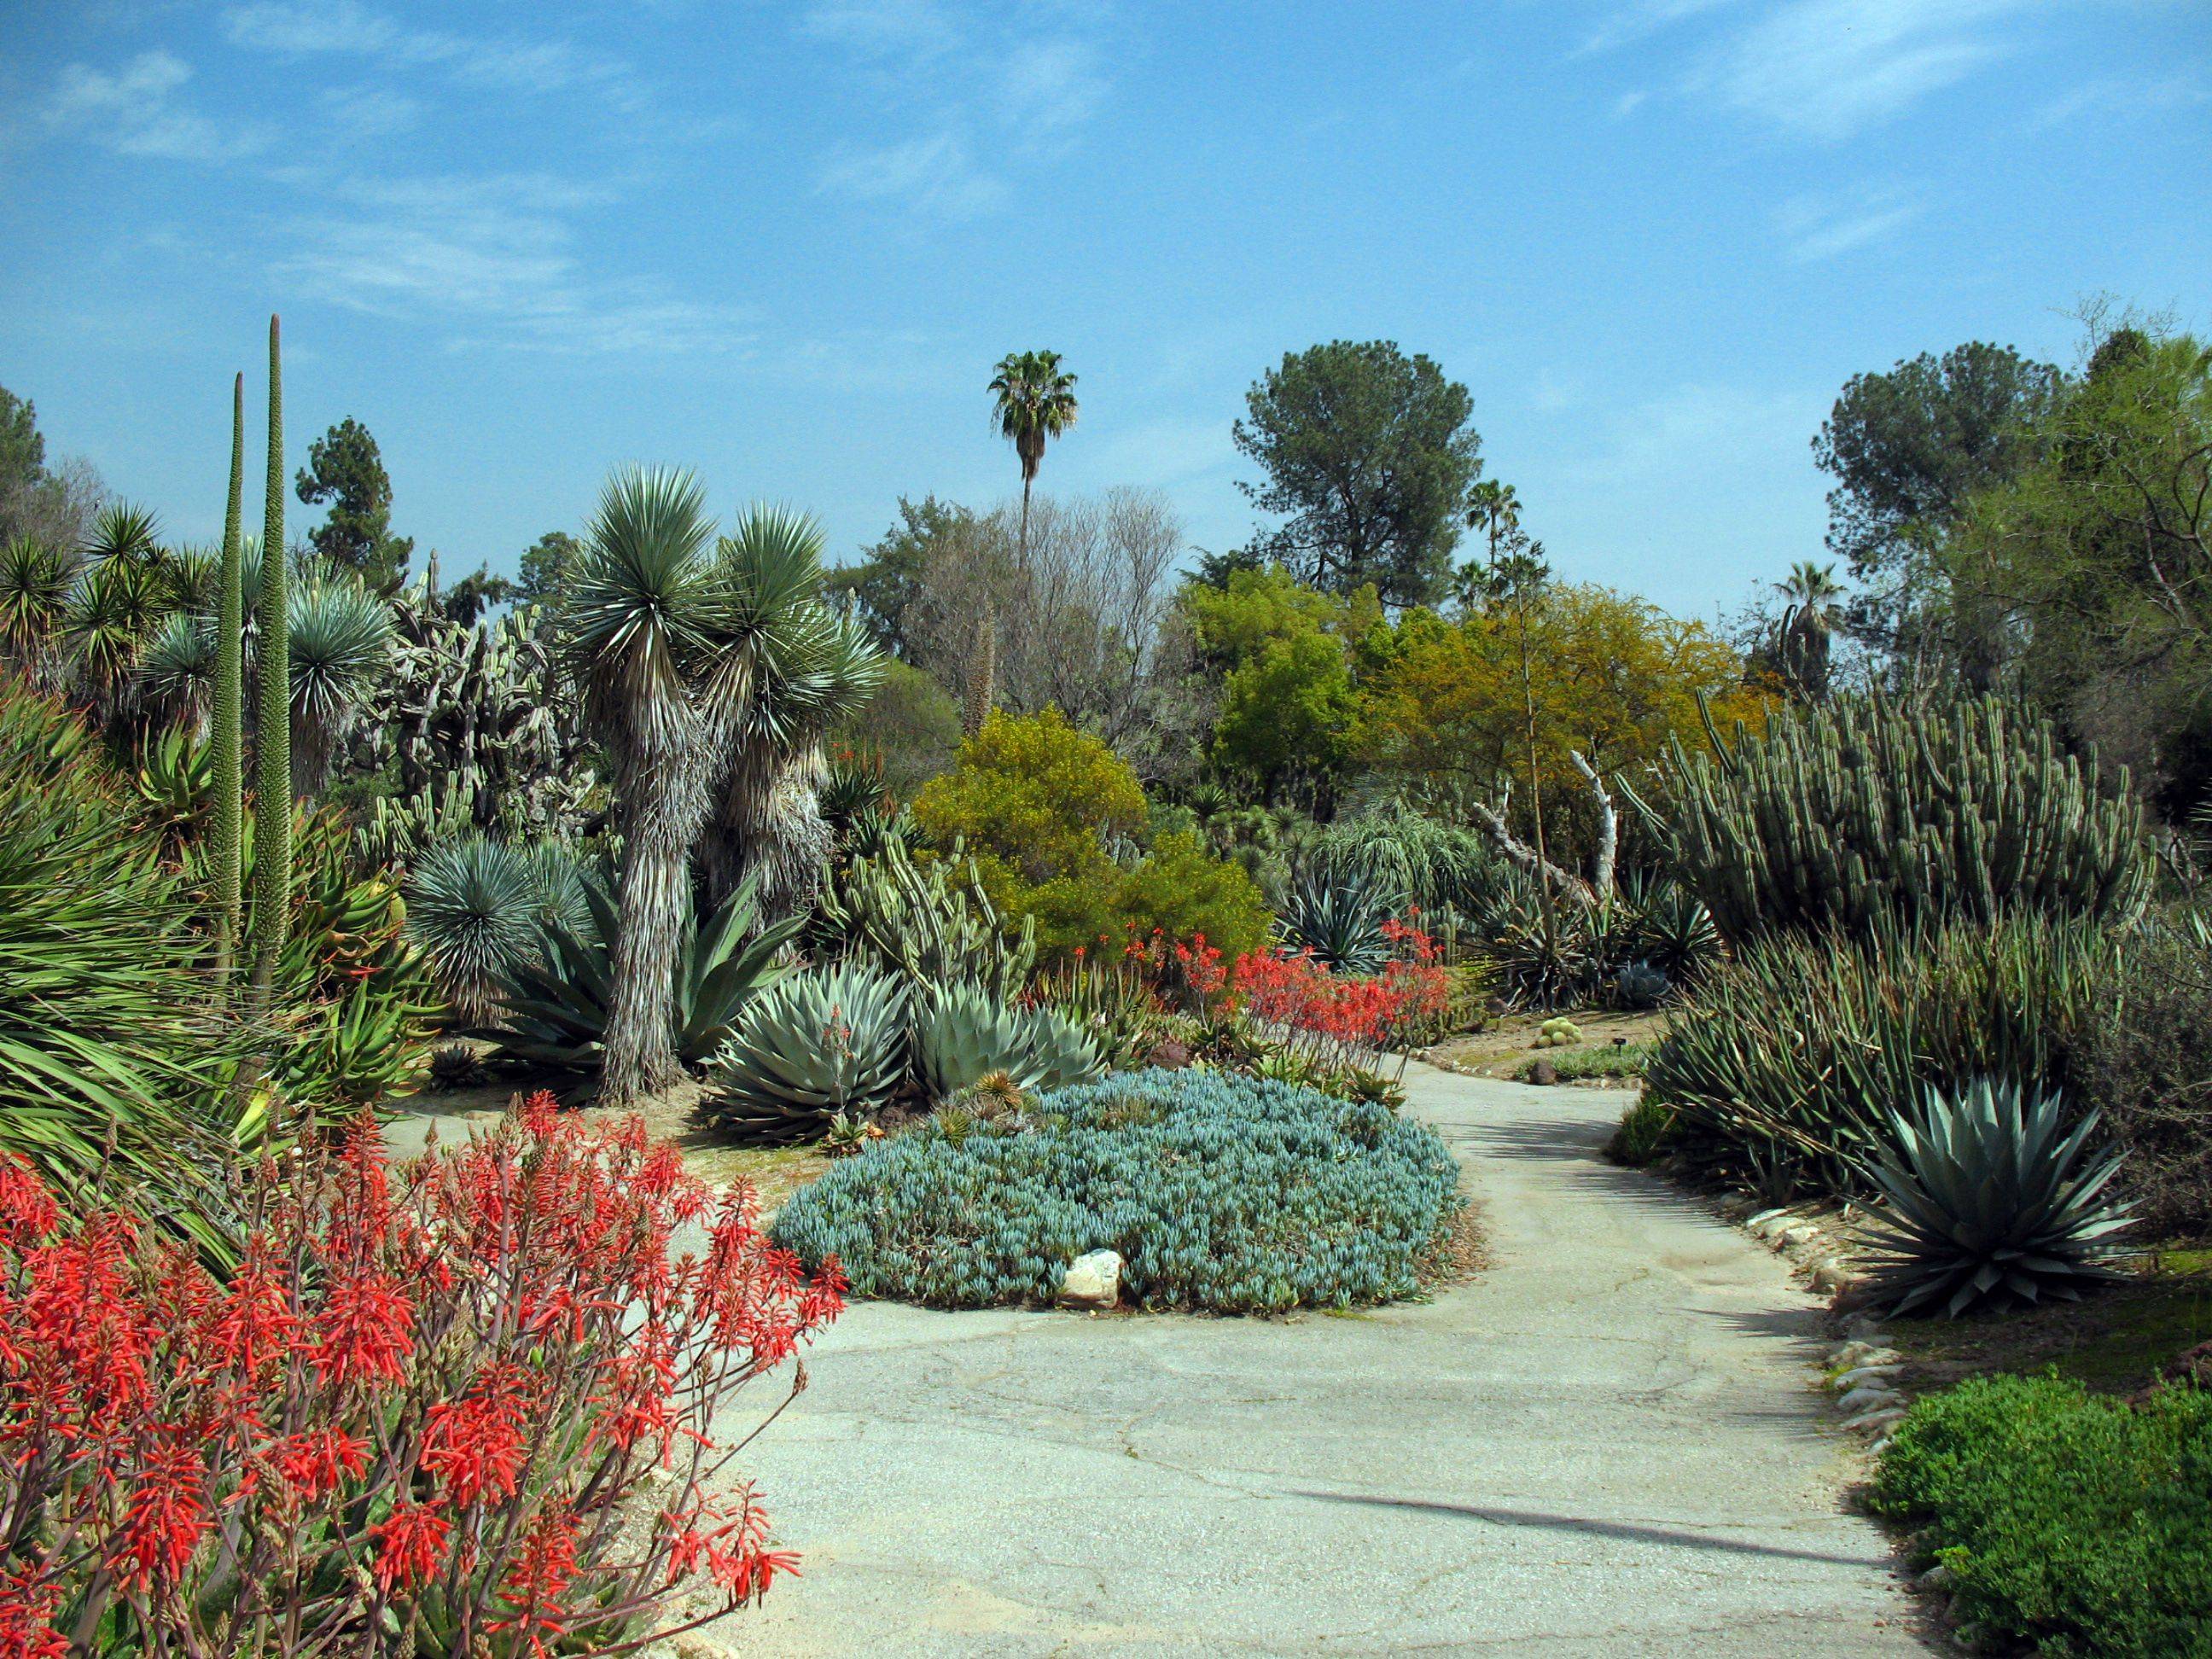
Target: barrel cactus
{"x":1838,"y":816}
{"x":1991,"y":1202}
{"x":821,"y":1043}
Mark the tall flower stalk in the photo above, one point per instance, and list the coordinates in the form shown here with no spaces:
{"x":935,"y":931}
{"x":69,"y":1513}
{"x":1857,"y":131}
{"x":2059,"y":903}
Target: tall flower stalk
{"x":230,"y":707}
{"x":273,"y":829}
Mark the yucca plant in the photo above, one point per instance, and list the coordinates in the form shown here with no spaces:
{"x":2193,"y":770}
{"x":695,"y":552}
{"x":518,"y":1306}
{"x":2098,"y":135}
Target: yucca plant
{"x":123,"y":530}
{"x":339,"y":641}
{"x":111,"y":611}
{"x":35,"y":580}
{"x":821,"y":1043}
{"x":1340,"y":920}
{"x":558,"y":1010}
{"x":473,"y":906}
{"x":1991,"y":1202}
{"x":177,"y":668}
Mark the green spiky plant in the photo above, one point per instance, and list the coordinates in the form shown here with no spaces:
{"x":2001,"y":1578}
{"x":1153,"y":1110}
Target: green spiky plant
{"x":819,"y":1044}
{"x":473,"y":905}
{"x":1340,"y":922}
{"x":230,"y":707}
{"x":963,"y":1033}
{"x":930,"y":923}
{"x":272,"y":864}
{"x":35,"y":580}
{"x":1841,"y":816}
{"x":1991,"y":1202}
{"x":559,"y":1010}
{"x":337,"y":642}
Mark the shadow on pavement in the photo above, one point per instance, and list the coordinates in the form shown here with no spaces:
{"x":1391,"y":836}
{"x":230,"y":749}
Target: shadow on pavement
{"x":1634,"y":1532}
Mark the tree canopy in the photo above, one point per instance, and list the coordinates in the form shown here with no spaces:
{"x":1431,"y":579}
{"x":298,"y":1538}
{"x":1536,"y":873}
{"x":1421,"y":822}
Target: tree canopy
{"x":345,"y":469}
{"x":1370,"y":455}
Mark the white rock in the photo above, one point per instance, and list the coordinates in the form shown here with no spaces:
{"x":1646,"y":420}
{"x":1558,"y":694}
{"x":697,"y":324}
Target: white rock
{"x":1881,"y":1356}
{"x":1869,"y":1422}
{"x":1833,"y":1277}
{"x":1800,"y":1234}
{"x":1092,"y":1281}
{"x":1850,"y":1353}
{"x":1765,"y":1216}
{"x":1934,"y":1579}
{"x":1874,"y":1373}
{"x":1867,"y":1396}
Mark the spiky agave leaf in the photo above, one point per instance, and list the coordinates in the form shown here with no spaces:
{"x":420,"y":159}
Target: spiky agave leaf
{"x":721,"y":967}
{"x":821,"y":1042}
{"x":122,"y":530}
{"x":1340,"y":922}
{"x":1991,"y":1202}
{"x":112,"y":611}
{"x":1062,"y":1052}
{"x":473,"y":906}
{"x":963,"y":1032}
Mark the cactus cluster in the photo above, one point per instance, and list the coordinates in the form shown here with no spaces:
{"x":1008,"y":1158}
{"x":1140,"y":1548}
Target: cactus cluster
{"x":1839,"y":815}
{"x":479,"y":729}
{"x":1558,"y":1033}
{"x":930,"y":924}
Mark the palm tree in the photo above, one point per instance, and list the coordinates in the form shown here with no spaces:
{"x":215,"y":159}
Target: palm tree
{"x":788,"y":668}
{"x":1805,"y":635}
{"x":1033,"y":403}
{"x":1494,"y":508}
{"x":637,"y":613}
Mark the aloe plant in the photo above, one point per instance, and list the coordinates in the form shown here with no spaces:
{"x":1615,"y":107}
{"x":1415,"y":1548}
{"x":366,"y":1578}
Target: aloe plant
{"x":1991,"y":1200}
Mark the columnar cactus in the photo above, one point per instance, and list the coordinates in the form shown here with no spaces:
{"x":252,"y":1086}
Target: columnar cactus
{"x":1840,"y":814}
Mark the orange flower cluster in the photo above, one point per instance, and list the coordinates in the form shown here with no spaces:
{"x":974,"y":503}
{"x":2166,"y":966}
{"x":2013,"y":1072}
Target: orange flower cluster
{"x":428,"y":1397}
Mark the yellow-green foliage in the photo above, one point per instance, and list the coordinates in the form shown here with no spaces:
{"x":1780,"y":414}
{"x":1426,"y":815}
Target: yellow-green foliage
{"x":1034,"y":801}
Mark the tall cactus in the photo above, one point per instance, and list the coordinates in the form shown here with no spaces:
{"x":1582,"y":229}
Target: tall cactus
{"x":230,"y":707}
{"x":273,"y":829}
{"x":1839,"y":815}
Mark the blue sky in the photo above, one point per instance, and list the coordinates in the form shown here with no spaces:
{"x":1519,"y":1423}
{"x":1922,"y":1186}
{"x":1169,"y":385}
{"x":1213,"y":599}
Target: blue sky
{"x":783,"y":244}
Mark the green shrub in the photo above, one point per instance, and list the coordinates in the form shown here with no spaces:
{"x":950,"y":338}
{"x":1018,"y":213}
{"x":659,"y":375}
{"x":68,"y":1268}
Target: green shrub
{"x":1794,"y":1054}
{"x":1643,"y":1134}
{"x":1219,"y":1192}
{"x":1626,"y":1060}
{"x":1184,"y":890}
{"x":2064,"y":1519}
{"x":2147,"y":1066}
{"x":1843,"y":816}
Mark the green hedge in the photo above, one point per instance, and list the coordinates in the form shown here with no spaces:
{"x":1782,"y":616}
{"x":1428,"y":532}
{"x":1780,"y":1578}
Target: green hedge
{"x":2068,"y":1520}
{"x":1219,"y":1191}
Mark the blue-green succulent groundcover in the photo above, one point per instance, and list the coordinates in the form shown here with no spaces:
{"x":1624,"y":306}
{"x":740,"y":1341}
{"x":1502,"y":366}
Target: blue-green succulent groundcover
{"x":1219,"y":1191}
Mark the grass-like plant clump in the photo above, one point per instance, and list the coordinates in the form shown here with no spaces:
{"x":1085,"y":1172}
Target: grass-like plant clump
{"x":2069,"y":1520}
{"x":1220,"y":1192}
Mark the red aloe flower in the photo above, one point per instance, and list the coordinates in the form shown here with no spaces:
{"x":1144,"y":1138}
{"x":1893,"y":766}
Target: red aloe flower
{"x":410,"y":1543}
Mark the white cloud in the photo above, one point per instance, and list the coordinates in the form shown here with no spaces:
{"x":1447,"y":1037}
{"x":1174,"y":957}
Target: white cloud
{"x":1820,"y":227}
{"x":130,"y":111}
{"x":497,"y":259}
{"x":348,"y":28}
{"x":964,"y":82}
{"x":935,"y":176}
{"x":1050,"y":84}
{"x":1827,"y":68}
{"x":1700,"y":429}
{"x":881,"y":28}
{"x":370,"y":111}
{"x":2111,"y":96}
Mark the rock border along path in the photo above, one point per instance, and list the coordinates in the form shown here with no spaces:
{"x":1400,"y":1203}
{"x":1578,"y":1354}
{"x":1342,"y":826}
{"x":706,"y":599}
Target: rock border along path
{"x":1610,"y":1442}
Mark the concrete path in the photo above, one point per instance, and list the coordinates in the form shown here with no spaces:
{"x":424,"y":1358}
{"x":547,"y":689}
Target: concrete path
{"x":1607,"y":1443}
